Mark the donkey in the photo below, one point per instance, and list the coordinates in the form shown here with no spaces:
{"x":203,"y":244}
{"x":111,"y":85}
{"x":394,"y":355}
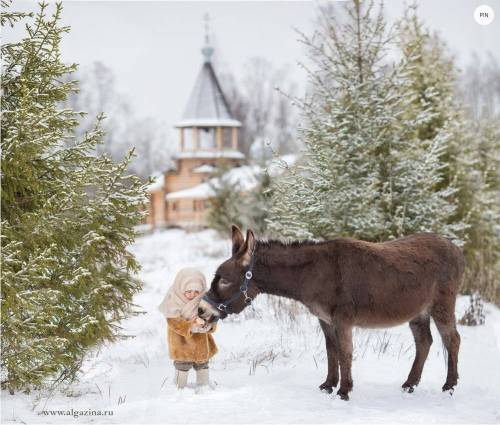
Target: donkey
{"x":345,"y":283}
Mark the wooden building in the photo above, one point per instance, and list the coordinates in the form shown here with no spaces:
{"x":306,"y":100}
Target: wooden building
{"x":208,"y":136}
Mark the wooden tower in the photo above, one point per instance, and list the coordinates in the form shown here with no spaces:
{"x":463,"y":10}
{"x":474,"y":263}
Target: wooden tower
{"x":208,"y":135}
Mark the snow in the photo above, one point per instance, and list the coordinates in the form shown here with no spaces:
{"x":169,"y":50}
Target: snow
{"x":200,"y":191}
{"x":157,"y":184}
{"x":226,"y":153}
{"x":276,"y":167}
{"x":207,"y":122}
{"x":245,"y":176}
{"x":143,"y":228}
{"x":268,"y":368}
{"x":205,"y":168}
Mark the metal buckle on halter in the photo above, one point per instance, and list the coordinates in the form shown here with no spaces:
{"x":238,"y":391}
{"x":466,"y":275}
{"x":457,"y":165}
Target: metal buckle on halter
{"x":248,"y":275}
{"x":224,"y":307}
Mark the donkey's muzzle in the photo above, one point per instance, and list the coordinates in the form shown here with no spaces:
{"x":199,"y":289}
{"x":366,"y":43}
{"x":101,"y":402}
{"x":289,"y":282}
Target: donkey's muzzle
{"x":208,"y":312}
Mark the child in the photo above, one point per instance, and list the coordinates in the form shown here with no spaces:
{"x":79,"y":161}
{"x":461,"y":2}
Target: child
{"x":189,"y":341}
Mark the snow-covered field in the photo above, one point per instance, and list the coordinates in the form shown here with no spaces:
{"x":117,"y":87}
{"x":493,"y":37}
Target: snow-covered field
{"x":268,"y":368}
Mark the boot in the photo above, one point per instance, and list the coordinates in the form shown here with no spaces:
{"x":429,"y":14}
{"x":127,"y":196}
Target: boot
{"x":181,"y":377}
{"x":202,"y":377}
{"x":202,"y":381}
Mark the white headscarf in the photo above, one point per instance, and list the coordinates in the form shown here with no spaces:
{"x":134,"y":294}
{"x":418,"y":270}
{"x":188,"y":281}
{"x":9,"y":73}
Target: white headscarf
{"x":175,"y":304}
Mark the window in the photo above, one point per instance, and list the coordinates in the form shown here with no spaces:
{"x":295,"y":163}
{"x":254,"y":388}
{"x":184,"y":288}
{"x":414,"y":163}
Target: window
{"x":198,"y":205}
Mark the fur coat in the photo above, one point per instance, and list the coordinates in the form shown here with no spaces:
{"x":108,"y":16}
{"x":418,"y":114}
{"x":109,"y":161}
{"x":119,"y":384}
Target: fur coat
{"x":184,"y":345}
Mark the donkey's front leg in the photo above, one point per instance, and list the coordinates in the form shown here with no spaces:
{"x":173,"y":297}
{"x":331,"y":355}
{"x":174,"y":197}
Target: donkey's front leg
{"x":344,"y":338}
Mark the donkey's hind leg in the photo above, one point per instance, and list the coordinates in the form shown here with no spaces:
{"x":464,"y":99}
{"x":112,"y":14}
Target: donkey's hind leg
{"x":445,"y":322}
{"x":420,"y":327}
{"x":332,"y":378}
{"x":344,"y":338}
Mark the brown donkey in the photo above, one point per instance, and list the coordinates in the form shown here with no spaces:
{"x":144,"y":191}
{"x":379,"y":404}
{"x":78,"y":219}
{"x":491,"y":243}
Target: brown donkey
{"x":346,"y":283}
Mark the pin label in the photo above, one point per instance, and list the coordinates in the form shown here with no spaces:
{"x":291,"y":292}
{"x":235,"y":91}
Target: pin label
{"x":484,"y":15}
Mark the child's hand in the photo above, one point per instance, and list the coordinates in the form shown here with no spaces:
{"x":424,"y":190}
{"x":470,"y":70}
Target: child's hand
{"x":199,"y":325}
{"x":199,"y":321}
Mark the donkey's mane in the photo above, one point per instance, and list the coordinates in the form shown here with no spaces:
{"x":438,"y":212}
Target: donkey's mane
{"x":276,"y":243}
{"x":287,"y":253}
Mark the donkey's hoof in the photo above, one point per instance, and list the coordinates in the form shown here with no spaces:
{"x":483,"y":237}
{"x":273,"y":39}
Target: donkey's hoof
{"x":449,"y":387}
{"x":343,"y":395}
{"x":409,"y":388}
{"x":327,"y":387}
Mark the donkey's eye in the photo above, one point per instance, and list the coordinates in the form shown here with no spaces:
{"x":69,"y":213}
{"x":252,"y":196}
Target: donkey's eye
{"x":224,"y":283}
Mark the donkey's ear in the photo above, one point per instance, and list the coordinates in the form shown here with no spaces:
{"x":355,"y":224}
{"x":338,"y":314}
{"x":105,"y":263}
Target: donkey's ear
{"x":248,"y":248}
{"x":237,"y":238}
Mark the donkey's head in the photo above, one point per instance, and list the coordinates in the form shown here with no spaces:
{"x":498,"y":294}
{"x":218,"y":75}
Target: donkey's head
{"x":232,"y":288}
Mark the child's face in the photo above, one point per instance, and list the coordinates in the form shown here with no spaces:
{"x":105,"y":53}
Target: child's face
{"x":191,"y":294}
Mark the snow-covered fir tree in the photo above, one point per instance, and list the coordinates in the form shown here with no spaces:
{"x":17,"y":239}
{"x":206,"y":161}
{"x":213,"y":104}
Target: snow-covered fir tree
{"x":231,"y":203}
{"x":258,"y":203}
{"x":365,"y":173}
{"x":433,"y":76}
{"x":431,"y":70}
{"x":226,"y":205}
{"x":478,"y":178}
{"x":469,"y":157}
{"x":67,"y":217}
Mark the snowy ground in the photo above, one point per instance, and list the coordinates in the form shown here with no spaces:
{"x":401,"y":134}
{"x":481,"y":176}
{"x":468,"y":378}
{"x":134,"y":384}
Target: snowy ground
{"x":268,"y":368}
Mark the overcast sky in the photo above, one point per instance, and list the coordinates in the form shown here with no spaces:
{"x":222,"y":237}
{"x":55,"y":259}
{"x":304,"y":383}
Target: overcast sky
{"x":153,"y":48}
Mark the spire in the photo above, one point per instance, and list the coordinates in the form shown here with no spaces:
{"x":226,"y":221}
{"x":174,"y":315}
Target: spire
{"x":207,"y":50}
{"x":207,"y":106}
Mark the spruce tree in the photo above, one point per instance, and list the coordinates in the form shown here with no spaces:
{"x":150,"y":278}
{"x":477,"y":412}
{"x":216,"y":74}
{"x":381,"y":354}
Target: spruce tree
{"x":433,"y":77}
{"x":469,"y":159}
{"x":245,"y":206}
{"x":478,"y":177}
{"x":258,"y":203}
{"x":68,"y":215}
{"x":431,"y":71}
{"x":365,"y":171}
{"x":226,"y":206}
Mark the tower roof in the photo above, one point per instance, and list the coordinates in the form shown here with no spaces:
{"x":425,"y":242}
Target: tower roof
{"x":207,"y":105}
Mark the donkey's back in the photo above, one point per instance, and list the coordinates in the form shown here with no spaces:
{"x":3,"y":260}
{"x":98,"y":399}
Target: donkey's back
{"x":393,"y":282}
